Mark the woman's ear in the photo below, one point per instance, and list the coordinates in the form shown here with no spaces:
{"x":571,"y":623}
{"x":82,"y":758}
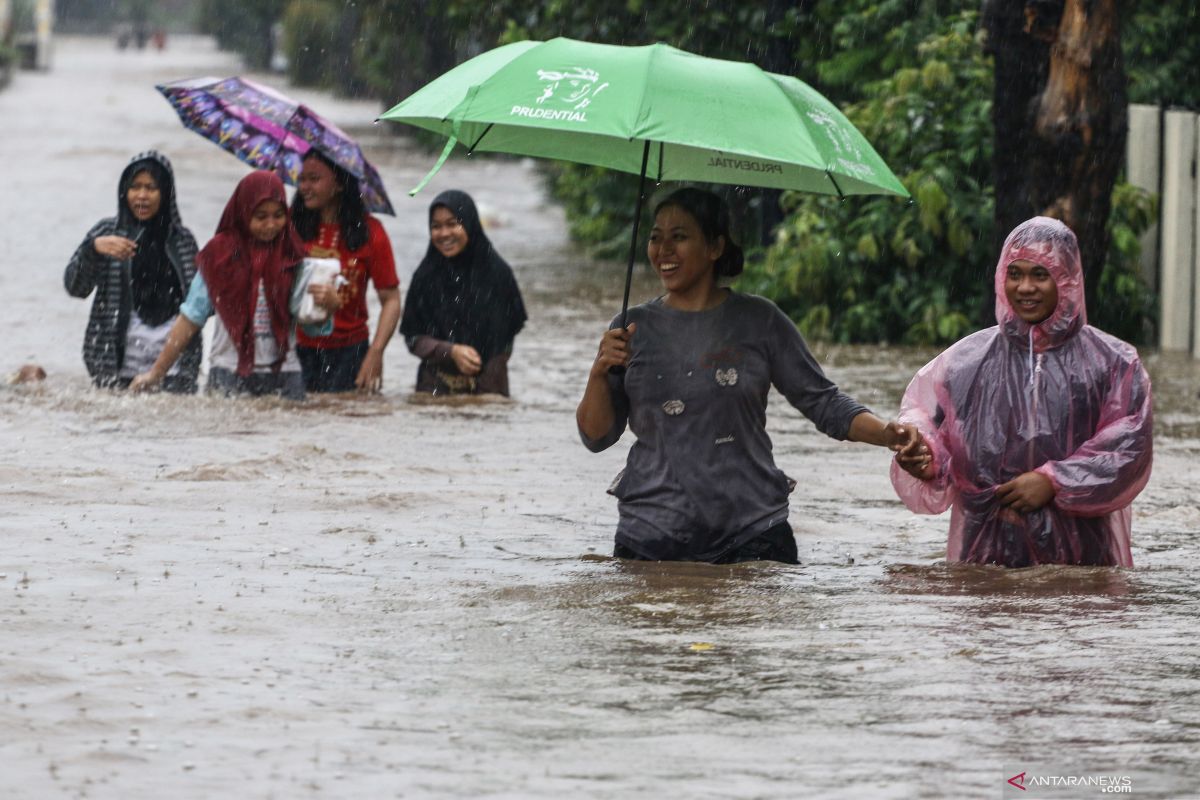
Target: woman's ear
{"x":718,"y":248}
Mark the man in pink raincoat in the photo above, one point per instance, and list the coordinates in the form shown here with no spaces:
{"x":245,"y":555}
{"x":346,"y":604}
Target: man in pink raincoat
{"x":1037,"y":431}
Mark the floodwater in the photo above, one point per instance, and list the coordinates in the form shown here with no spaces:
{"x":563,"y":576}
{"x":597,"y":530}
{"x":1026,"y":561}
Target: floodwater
{"x":370,"y":598}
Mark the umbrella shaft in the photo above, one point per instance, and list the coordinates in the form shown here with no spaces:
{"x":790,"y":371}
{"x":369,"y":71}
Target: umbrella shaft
{"x":637,"y":221}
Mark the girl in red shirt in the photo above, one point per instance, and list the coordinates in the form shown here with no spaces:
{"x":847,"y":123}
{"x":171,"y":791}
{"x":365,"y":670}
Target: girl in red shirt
{"x":329,"y":214}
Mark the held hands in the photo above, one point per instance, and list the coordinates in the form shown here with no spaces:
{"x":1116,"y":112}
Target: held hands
{"x":466,"y":358}
{"x":912,"y":453}
{"x":614,"y":350}
{"x":117,"y":247}
{"x":1026,"y":493}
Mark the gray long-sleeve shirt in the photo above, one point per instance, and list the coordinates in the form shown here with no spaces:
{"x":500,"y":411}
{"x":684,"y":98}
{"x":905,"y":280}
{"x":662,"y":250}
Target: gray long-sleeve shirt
{"x":700,"y":479}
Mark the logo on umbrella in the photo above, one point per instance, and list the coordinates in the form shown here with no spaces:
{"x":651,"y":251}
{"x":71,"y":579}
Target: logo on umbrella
{"x":574,"y":88}
{"x":579,"y":85}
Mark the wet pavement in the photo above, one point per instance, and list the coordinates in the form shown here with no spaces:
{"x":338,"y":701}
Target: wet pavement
{"x":387,"y":598}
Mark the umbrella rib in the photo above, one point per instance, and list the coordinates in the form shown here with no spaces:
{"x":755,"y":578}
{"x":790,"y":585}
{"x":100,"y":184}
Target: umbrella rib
{"x":471,"y":149}
{"x":661,"y":147}
{"x":833,"y":180}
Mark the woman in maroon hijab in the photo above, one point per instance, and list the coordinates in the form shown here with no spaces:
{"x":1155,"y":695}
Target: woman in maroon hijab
{"x":247,"y":277}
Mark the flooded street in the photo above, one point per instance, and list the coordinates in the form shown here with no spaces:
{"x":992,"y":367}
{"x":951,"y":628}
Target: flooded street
{"x":378,"y":598}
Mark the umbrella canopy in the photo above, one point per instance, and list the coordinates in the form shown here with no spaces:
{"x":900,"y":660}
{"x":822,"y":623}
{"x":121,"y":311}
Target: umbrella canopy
{"x":653,"y":110}
{"x":270,"y":131}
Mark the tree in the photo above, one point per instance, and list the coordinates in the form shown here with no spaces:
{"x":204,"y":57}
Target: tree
{"x":244,"y":26}
{"x":878,"y":269}
{"x":1060,"y":118}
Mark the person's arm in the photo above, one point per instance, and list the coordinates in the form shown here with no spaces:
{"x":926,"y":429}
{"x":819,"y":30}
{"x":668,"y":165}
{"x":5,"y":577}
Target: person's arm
{"x":601,"y":416}
{"x":370,"y":374}
{"x":83,"y":270}
{"x":870,"y":429}
{"x":464,"y":357}
{"x":921,"y":474}
{"x":798,"y":376}
{"x":427,"y":348}
{"x":1112,"y":467}
{"x":177,"y":339}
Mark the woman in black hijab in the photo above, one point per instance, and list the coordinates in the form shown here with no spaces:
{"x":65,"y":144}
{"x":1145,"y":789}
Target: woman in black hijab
{"x":140,"y":264}
{"x":463,"y":308}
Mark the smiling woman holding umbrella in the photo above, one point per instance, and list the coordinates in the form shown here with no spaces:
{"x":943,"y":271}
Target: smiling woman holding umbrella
{"x":700,"y":483}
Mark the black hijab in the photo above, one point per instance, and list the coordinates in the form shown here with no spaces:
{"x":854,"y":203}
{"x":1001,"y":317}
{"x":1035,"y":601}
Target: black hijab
{"x":469,"y":299}
{"x":157,"y":291}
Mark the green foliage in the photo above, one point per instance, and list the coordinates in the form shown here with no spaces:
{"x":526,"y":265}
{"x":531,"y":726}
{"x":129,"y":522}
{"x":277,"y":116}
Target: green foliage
{"x":868,"y":40}
{"x":243,"y":26}
{"x":875,"y":269}
{"x":599,"y":205}
{"x":1161,"y":43}
{"x":309,"y":40}
{"x":1126,"y":308}
{"x":910,"y":73}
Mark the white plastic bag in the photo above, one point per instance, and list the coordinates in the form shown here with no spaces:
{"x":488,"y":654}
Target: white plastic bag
{"x":316,"y":271}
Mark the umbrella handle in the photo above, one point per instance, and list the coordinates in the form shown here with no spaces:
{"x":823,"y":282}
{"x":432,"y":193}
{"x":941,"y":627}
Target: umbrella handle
{"x":637,"y":221}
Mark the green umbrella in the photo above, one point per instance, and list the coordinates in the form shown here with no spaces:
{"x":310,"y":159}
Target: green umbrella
{"x":652,"y":111}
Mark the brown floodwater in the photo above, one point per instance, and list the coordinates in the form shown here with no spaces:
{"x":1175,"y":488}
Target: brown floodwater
{"x":380,"y":597}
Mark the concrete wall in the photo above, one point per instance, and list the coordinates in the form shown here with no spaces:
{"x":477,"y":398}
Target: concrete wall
{"x":1162,"y":158}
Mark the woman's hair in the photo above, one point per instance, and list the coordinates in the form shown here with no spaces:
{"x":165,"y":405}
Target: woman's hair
{"x":352,"y":212}
{"x":712,"y":215}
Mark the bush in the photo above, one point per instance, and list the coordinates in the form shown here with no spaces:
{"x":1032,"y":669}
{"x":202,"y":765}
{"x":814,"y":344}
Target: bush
{"x":310,"y":29}
{"x":878,"y":269}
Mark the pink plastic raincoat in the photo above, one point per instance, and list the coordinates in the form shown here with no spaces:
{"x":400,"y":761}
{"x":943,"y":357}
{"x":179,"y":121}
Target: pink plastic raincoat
{"x":1060,"y":398}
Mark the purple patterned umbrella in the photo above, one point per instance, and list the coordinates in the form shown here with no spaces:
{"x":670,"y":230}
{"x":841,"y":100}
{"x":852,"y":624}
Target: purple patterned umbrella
{"x":270,"y":131}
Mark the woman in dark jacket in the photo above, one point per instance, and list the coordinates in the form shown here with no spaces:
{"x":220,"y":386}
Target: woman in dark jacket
{"x":463,"y":308}
{"x":140,"y":264}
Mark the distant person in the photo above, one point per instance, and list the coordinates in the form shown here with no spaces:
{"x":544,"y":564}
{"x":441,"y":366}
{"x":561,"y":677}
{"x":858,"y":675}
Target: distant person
{"x":700,"y":483}
{"x":141,"y":33}
{"x":463,"y":310}
{"x":329,"y":214}
{"x":248,"y":279}
{"x":140,"y":264}
{"x":1038,"y":431}
{"x":159,"y":38}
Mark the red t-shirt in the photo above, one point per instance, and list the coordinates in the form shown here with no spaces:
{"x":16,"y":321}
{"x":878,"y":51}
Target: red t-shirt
{"x":372,"y":261}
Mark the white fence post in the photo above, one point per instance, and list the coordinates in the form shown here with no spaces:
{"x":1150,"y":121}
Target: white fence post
{"x":44,"y":29}
{"x":1195,"y":266}
{"x":1178,"y":219}
{"x":5,"y":20}
{"x":1143,"y":162}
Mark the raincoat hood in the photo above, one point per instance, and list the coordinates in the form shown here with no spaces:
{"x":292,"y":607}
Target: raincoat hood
{"x":1051,"y":244}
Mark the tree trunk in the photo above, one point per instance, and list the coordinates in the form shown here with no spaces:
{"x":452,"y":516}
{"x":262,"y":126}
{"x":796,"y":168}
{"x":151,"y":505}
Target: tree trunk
{"x":1060,"y":117}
